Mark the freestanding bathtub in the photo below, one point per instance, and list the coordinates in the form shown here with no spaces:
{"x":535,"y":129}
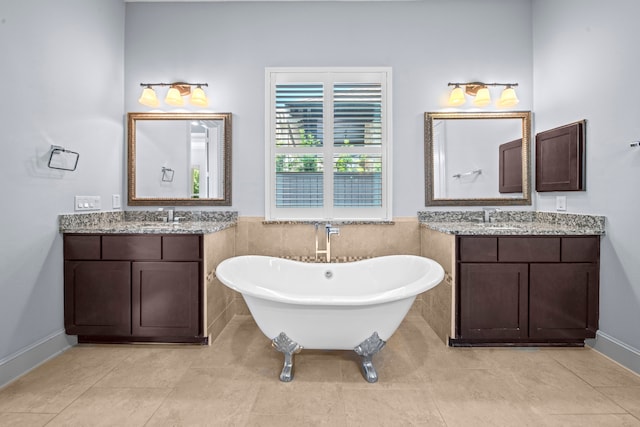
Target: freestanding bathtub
{"x":344,"y":306}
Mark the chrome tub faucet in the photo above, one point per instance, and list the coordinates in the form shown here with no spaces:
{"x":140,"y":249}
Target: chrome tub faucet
{"x":328,"y":231}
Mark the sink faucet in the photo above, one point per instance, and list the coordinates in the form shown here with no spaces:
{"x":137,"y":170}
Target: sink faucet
{"x":488,"y":212}
{"x":170,"y":214}
{"x":328,"y":231}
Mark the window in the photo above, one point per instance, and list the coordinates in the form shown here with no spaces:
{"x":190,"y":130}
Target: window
{"x":329,"y":146}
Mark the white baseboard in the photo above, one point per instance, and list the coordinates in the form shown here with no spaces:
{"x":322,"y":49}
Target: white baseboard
{"x":30,"y":357}
{"x":617,"y":351}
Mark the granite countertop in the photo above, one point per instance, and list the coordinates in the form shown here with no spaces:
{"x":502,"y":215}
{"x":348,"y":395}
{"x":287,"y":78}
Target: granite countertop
{"x":146,"y":222}
{"x":508,"y":223}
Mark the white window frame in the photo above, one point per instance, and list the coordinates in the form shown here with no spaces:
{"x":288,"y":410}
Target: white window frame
{"x":328,"y":76}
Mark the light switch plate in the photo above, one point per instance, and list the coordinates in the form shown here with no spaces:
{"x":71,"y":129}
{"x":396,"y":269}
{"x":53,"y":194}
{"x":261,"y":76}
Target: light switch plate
{"x":87,"y":203}
{"x":561,"y":203}
{"x":115,"y":201}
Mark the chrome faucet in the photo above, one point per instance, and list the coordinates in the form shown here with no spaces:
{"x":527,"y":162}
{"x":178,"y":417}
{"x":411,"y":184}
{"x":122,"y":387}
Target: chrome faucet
{"x":488,"y":212}
{"x":170,"y":215}
{"x":328,"y":231}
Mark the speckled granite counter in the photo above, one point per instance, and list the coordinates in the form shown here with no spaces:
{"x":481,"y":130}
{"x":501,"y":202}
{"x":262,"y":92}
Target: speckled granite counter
{"x":512,"y":223}
{"x":147,"y":222}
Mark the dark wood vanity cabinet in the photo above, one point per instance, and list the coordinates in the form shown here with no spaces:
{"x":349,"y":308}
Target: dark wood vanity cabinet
{"x":97,"y":298}
{"x":526,"y":289}
{"x":133,"y":287}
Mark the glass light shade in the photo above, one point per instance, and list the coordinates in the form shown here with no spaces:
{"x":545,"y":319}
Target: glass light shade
{"x":173,"y":97}
{"x":508,"y":98}
{"x":482,"y":97}
{"x":149,"y":97}
{"x":457,"y":96}
{"x":198,"y":97}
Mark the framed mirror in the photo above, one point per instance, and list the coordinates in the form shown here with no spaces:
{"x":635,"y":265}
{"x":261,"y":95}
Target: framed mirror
{"x":179,"y":159}
{"x":477,"y":159}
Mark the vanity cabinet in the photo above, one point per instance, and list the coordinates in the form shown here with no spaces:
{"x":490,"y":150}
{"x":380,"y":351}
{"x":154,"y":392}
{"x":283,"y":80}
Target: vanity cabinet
{"x":526,"y":289}
{"x":133,"y":287}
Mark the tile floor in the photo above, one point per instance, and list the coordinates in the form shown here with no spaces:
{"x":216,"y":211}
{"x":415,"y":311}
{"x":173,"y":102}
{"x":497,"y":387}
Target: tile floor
{"x":234,"y":382}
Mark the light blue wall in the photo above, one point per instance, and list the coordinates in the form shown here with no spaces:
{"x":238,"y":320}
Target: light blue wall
{"x":586,"y":66}
{"x":427,"y":44}
{"x":62,"y":83}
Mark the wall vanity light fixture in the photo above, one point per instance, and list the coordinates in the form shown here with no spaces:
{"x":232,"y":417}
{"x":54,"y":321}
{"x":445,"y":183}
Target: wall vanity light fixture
{"x":480,"y":92}
{"x":174,"y":95}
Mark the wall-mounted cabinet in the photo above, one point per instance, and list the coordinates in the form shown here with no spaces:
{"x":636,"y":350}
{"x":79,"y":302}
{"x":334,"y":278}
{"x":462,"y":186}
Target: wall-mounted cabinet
{"x":560,"y":158}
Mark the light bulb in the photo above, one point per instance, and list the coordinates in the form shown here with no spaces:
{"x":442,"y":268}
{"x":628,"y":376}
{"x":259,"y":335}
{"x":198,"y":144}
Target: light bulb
{"x":483,"y":97}
{"x":198,"y":97}
{"x":173,"y":97}
{"x":508,"y":98}
{"x":457,"y":96}
{"x":149,"y":97}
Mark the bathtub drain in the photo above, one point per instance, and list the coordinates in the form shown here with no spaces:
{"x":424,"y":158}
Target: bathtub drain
{"x":328,"y":274}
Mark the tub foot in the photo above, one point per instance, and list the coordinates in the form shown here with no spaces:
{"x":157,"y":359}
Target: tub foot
{"x":285,"y":345}
{"x":366,"y":350}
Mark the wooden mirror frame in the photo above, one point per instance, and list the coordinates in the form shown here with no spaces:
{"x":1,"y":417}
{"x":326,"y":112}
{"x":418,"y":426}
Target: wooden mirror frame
{"x":133,"y":200}
{"x":430,"y":200}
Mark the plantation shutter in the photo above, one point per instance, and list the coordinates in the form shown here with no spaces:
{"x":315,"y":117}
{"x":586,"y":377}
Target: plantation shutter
{"x":328,"y":154}
{"x":299,"y":124}
{"x":357,"y":113}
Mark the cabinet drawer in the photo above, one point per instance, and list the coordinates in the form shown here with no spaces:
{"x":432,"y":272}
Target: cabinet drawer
{"x":529,"y":249}
{"x":181,"y":248}
{"x":580,"y":249}
{"x":132,"y":247}
{"x":478,"y":249}
{"x":81,"y":247}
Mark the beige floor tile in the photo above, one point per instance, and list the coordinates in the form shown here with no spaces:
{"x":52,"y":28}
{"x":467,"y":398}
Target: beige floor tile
{"x":474,"y":397}
{"x":626,"y":397}
{"x":317,"y":366}
{"x":447,"y":358}
{"x":261,"y":362}
{"x":598,"y":420}
{"x":552,"y":389}
{"x":279,"y":420}
{"x":52,"y":386}
{"x":112,"y":407}
{"x":299,"y":398}
{"x":24,"y":419}
{"x":47,"y":396}
{"x":206,"y":397}
{"x":151,"y":367}
{"x":595,"y":368}
{"x":376,"y":406}
{"x":233,"y":345}
{"x":229,"y":349}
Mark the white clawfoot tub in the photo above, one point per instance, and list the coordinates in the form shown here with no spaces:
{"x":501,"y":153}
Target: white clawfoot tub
{"x":345,"y":306}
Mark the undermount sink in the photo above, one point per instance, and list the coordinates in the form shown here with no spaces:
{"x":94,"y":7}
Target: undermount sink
{"x":161,"y":225}
{"x":499,"y":227}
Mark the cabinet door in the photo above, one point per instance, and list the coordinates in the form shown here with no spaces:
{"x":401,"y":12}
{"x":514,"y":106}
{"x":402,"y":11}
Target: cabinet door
{"x":493,"y":301}
{"x":165,"y":299}
{"x":97,"y":298}
{"x":563,"y":301}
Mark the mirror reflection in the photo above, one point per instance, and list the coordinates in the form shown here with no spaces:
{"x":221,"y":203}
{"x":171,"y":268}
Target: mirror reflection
{"x":179,"y":158}
{"x":477,"y":158}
